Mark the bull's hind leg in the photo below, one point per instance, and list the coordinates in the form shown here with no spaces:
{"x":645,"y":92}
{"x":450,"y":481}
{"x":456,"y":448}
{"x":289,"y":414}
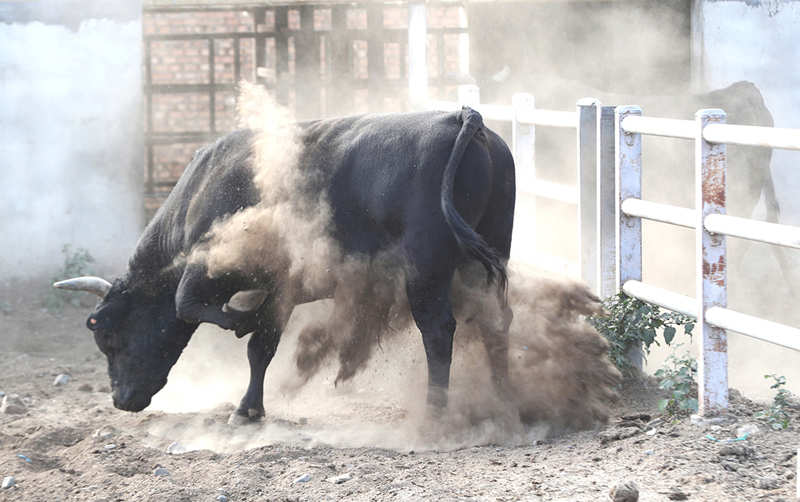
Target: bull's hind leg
{"x":429,"y":299}
{"x":486,"y":308}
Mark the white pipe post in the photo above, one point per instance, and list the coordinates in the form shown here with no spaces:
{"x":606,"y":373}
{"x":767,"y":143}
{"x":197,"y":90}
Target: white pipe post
{"x":587,"y":133}
{"x":523,"y":146}
{"x":606,"y":208}
{"x":469,"y":95}
{"x":629,"y":229}
{"x":710,"y":258}
{"x":417,"y":55}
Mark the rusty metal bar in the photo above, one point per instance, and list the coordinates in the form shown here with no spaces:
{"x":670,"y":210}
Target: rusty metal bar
{"x":375,"y":57}
{"x":212,"y":95}
{"x":282,"y":55}
{"x":417,"y":54}
{"x":711,"y":276}
{"x":629,"y":230}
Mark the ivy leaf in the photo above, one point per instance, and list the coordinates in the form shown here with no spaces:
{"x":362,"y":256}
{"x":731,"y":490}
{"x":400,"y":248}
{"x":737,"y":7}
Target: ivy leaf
{"x":669,"y":334}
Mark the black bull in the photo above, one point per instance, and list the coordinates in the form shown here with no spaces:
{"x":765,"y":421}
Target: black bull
{"x":438,"y":187}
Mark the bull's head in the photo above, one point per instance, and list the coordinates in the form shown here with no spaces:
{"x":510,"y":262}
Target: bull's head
{"x":140,"y":334}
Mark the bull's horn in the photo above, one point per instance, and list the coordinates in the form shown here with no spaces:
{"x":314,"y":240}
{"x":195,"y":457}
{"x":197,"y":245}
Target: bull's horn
{"x":246,"y":301}
{"x":96,"y":285}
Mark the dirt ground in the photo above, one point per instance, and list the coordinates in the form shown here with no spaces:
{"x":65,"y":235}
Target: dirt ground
{"x":344,"y":443}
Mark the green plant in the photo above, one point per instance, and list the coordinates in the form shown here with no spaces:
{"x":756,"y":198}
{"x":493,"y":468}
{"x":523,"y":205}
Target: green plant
{"x":630,"y":322}
{"x":678,"y":378}
{"x":776,"y":415}
{"x":76,"y":263}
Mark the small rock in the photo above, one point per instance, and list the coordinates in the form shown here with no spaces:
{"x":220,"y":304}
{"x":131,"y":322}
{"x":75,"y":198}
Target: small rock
{"x":618,"y":433}
{"x":729,"y":466}
{"x":747,"y":430}
{"x":62,"y":379}
{"x":85,"y":388}
{"x":768,"y":483}
{"x":624,"y":492}
{"x":175,"y":448}
{"x":676,"y":494}
{"x":221,"y":498}
{"x":161,"y":472}
{"x":651,"y":432}
{"x":8,"y":482}
{"x":735,"y":450}
{"x":104,"y":432}
{"x":109,"y":446}
{"x":305,"y":478}
{"x":12,"y":405}
{"x":337,"y":480}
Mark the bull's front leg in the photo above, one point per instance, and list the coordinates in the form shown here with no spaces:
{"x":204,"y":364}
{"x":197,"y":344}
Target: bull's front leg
{"x":260,"y":350}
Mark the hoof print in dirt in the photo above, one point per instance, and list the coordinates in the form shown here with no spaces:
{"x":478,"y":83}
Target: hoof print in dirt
{"x":85,"y":388}
{"x":624,"y":492}
{"x":13,"y":405}
{"x":618,"y":433}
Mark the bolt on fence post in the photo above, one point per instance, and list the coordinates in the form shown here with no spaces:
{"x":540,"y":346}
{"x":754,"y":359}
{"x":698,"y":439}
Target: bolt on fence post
{"x":587,"y":190}
{"x":606,"y":204}
{"x":469,"y":95}
{"x":629,"y":228}
{"x":710,"y":258}
{"x":523,"y":146}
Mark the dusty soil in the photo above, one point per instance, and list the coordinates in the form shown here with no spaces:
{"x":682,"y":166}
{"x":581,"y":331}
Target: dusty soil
{"x":72,"y":444}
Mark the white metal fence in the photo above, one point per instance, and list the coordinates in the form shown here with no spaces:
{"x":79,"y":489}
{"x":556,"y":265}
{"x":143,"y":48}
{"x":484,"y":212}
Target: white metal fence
{"x":610,"y":210}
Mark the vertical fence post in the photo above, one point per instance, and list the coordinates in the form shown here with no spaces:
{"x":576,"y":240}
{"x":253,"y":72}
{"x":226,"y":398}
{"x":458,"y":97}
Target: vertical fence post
{"x":587,"y":190}
{"x":710,"y":259}
{"x":417,"y":55}
{"x":606,"y":204}
{"x":629,"y":229}
{"x":523,"y":144}
{"x":469,"y":95}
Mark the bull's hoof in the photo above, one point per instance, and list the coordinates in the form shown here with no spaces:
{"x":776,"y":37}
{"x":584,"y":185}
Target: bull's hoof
{"x":239,"y":418}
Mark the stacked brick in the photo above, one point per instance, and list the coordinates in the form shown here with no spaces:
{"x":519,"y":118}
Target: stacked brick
{"x":180,"y":119}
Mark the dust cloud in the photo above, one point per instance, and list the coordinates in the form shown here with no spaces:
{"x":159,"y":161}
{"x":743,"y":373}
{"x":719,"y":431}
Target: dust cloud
{"x":354,"y":368}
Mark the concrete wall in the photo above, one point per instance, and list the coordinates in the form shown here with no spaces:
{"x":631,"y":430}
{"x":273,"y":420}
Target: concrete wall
{"x":70,"y":132}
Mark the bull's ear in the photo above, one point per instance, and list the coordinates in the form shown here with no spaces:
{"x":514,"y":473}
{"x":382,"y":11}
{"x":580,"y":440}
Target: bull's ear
{"x":246,"y":301}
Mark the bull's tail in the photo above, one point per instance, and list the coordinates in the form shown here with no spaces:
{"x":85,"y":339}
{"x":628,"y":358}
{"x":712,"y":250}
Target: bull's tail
{"x":468,"y":240}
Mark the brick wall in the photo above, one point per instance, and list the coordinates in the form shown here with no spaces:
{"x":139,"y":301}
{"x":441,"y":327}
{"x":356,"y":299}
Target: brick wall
{"x":178,"y":65}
